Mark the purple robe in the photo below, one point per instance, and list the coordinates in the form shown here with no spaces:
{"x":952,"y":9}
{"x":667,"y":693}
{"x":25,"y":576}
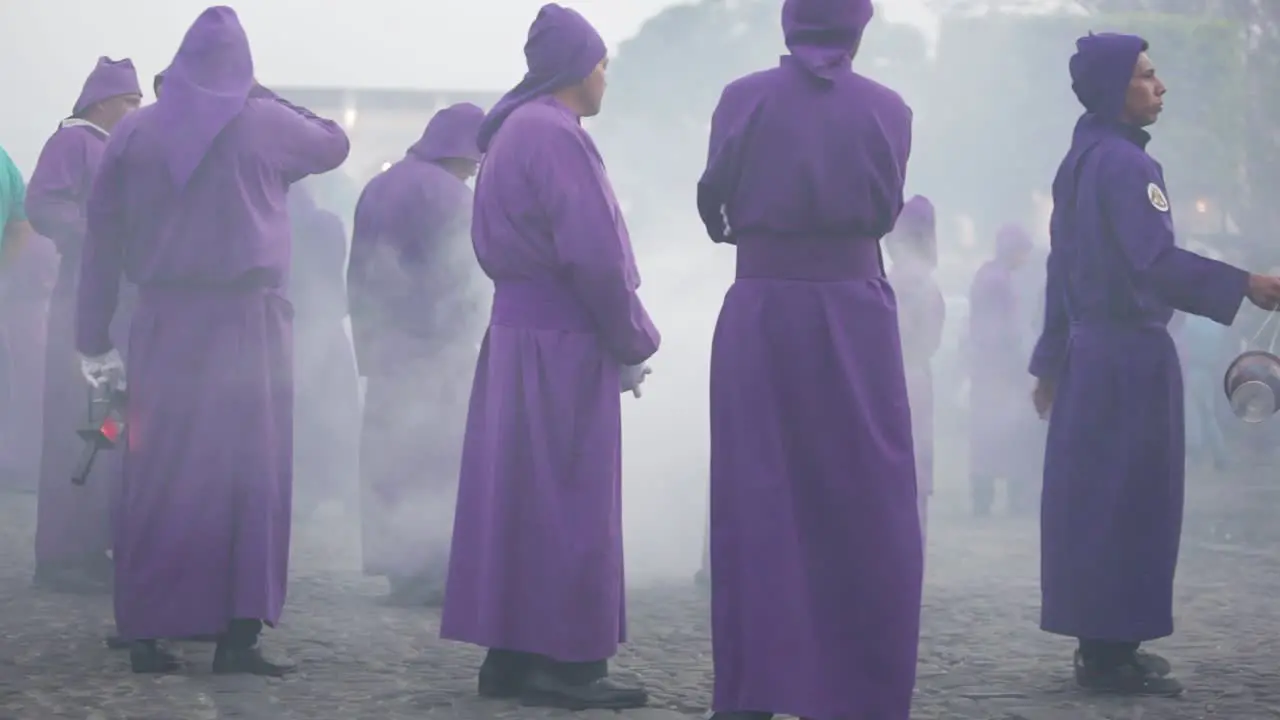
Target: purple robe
{"x":816,"y":551}
{"x":327,"y":403}
{"x":536,"y":563}
{"x":73,"y":522}
{"x":999,"y":386}
{"x":419,"y":303}
{"x":1111,"y":513}
{"x":25,"y":287}
{"x":191,"y":206}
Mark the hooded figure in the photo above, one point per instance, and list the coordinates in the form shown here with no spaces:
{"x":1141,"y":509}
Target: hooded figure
{"x":327,"y":402}
{"x":998,"y":386}
{"x":1108,"y":377}
{"x":191,"y":207}
{"x":922,"y":311}
{"x":73,"y":525}
{"x":536,"y":571}
{"x":816,"y":551}
{"x":419,"y":305}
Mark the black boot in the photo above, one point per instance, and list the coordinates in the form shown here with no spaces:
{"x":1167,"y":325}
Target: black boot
{"x":238,"y":653}
{"x":147,"y":657}
{"x":579,"y":686}
{"x":504,"y":673}
{"x":1120,"y":669}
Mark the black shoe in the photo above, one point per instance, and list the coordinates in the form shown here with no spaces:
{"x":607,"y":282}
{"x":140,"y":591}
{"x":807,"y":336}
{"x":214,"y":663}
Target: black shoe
{"x":1154,"y":664}
{"x":146,"y":657}
{"x":241,"y":660}
{"x":503,"y":674}
{"x":545,"y":690}
{"x":115,"y":642}
{"x":1128,"y":678}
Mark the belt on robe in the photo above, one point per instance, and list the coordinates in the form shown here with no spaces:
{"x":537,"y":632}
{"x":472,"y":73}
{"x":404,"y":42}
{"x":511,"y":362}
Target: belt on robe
{"x":252,"y":286}
{"x":816,"y":258}
{"x":539,"y":305}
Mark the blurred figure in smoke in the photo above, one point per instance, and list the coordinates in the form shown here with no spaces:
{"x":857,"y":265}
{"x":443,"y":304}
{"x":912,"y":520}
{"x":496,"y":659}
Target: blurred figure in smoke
{"x":26,"y":285}
{"x":418,"y":306}
{"x":191,"y":206}
{"x":998,"y":381}
{"x":73,"y":528}
{"x":26,"y":262}
{"x":1109,"y":379}
{"x":327,"y":400}
{"x":816,"y":546}
{"x":922,"y":312}
{"x":536,"y":567}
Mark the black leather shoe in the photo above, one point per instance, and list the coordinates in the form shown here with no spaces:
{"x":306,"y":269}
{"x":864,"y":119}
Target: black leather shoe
{"x":1132,"y":677}
{"x":503,"y":674}
{"x":545,"y":690}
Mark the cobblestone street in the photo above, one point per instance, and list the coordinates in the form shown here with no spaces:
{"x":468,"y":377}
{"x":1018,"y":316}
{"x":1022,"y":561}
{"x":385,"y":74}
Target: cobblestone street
{"x":981,"y":654}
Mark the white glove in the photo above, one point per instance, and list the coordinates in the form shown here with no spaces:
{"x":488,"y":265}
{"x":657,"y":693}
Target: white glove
{"x":632,"y":377}
{"x":108,"y":368}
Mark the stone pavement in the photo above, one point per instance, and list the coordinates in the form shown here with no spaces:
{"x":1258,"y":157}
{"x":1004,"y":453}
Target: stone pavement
{"x":981,"y":654}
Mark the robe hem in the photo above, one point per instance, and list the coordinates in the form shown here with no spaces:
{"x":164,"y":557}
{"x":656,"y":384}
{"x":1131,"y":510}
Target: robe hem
{"x":1058,"y":629}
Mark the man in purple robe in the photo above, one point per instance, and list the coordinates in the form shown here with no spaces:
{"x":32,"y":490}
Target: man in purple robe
{"x":922,"y":312}
{"x":327,"y":405}
{"x":1108,"y":376}
{"x":536,"y":568}
{"x":816,"y":548}
{"x":997,"y":385}
{"x":73,"y":527}
{"x":190,"y":206}
{"x":418,"y":308}
{"x":25,"y":287}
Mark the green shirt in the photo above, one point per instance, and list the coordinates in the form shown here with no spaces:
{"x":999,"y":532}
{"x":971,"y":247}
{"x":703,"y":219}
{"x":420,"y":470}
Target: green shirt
{"x":13,"y":193}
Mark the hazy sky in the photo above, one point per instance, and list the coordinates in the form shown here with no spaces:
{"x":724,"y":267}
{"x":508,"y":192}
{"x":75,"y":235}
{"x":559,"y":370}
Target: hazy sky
{"x":443,"y":44}
{"x":49,"y":46}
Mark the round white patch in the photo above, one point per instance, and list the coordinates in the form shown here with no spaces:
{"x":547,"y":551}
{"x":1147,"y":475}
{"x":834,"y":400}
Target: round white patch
{"x":1157,"y":198}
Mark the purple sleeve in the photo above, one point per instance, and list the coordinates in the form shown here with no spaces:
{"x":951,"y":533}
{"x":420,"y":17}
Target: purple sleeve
{"x":713,"y":186}
{"x":56,"y":192}
{"x":1134,"y":200}
{"x":597,"y":257}
{"x":300,"y":142}
{"x":102,"y":259}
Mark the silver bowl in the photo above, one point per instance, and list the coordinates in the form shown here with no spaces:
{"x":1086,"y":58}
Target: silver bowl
{"x":1252,"y":385}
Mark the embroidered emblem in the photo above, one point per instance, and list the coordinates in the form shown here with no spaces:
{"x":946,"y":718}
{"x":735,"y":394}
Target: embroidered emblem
{"x":1157,"y":198}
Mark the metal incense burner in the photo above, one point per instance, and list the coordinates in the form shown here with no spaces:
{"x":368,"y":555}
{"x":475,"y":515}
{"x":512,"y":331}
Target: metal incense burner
{"x":1252,"y":380}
